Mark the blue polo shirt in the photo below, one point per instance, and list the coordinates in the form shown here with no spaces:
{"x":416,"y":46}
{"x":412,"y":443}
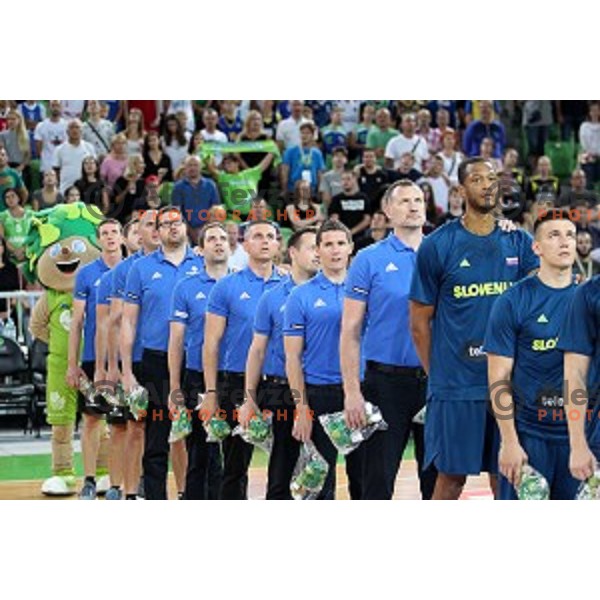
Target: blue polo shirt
{"x":314,"y":311}
{"x":461,"y":274}
{"x":194,"y":199}
{"x":104,"y":292}
{"x":580,"y":334}
{"x":299,"y":159}
{"x":269,"y":322}
{"x":477,"y":130}
{"x":188,"y":306}
{"x":524,"y":325}
{"x":380,"y":276}
{"x":87,"y":282}
{"x":235,"y":298}
{"x":150,"y":284}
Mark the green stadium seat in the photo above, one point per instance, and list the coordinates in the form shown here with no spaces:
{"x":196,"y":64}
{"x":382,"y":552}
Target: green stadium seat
{"x":562,"y":156}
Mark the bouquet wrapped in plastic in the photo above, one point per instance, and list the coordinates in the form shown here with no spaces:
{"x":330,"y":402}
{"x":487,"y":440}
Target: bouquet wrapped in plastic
{"x":309,"y":475}
{"x":258,"y":433}
{"x":181,"y":426}
{"x":533,"y":485}
{"x":346,"y":439}
{"x":216,"y":429}
{"x":94,"y":397}
{"x":590,"y":488}
{"x":137,"y":401}
{"x":419,"y":418}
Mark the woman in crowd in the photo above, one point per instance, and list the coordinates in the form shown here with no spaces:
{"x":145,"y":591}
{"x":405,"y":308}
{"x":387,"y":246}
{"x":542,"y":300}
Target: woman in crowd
{"x":128,"y":189}
{"x":589,"y":138}
{"x":253,"y":132}
{"x":134,"y":131}
{"x":270,"y":118}
{"x":157,"y":162}
{"x":92,"y":189}
{"x":451,"y":157}
{"x":358,"y":136}
{"x":16,"y":142}
{"x":432,"y":211}
{"x":49,"y":195}
{"x":303,"y":211}
{"x":72,"y":195}
{"x":175,"y":141}
{"x":15,"y":222}
{"x":114,"y":165}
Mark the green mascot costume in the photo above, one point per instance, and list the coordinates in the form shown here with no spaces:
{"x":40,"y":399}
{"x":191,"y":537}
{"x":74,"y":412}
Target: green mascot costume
{"x":61,"y":241}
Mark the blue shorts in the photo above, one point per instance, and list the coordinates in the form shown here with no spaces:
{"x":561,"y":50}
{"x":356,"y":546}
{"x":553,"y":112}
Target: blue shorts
{"x":461,"y":437}
{"x":551,"y":459}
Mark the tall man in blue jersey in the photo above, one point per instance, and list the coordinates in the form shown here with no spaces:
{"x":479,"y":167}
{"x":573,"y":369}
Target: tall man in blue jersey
{"x":266,"y":383}
{"x":188,"y":311}
{"x":312,"y":324}
{"x":147,"y":299}
{"x":376,"y":312}
{"x":150,"y":242}
{"x":109,"y":234}
{"x":461,"y":269}
{"x":229,"y":320}
{"x":525,"y":367}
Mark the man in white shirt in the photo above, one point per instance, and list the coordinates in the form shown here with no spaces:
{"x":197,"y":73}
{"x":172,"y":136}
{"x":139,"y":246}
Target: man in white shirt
{"x":238,"y":258}
{"x":350,"y":113}
{"x":49,"y":134}
{"x":72,"y":109}
{"x":407,"y":141}
{"x":97,"y":131}
{"x":288,"y":130}
{"x":69,"y":156}
{"x":210,"y":133}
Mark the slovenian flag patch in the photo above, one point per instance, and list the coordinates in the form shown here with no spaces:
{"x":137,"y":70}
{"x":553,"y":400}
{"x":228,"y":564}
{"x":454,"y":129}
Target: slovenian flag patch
{"x":512,"y":261}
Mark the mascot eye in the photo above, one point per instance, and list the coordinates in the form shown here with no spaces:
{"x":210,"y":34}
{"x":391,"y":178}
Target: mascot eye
{"x":55,"y":250}
{"x":78,"y":246}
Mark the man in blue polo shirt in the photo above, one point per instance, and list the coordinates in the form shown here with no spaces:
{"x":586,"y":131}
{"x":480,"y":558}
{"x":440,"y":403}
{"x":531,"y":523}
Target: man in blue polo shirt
{"x":266,"y":384}
{"x":461,"y":269}
{"x":312,"y":324}
{"x":150,"y":241}
{"x":188,"y":309}
{"x":525,"y":366}
{"x":195,"y":195}
{"x":147,"y":300}
{"x":377,"y":296}
{"x":579,"y":339}
{"x":84,"y":320}
{"x":230,"y":316}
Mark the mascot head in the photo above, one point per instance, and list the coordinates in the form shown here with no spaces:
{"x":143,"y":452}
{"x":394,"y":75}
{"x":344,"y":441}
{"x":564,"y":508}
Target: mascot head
{"x":62,"y":239}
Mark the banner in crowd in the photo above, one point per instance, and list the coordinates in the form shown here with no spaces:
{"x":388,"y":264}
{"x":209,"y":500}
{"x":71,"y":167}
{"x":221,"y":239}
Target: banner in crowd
{"x":208,"y":149}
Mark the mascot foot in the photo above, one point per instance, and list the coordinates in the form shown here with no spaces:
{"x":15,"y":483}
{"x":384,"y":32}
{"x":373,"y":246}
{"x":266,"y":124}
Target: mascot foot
{"x":59,"y":485}
{"x":103,"y":485}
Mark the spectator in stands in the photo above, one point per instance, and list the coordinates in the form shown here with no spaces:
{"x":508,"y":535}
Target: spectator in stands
{"x":585,"y":219}
{"x":371,"y":178}
{"x":432,"y":211}
{"x":570,"y":114}
{"x":72,"y":195}
{"x":543,"y":184}
{"x":97,"y":131}
{"x":16,"y":142}
{"x":72,"y":109}
{"x":443,"y":125}
{"x":331,"y":183}
{"x":230,"y":122}
{"x":510,"y":163}
{"x":184,"y":106}
{"x":488,"y":152}
{"x":175,"y":141}
{"x":334,"y":135}
{"x":112,"y":110}
{"x":4,"y":108}
{"x":450,"y":156}
{"x":537,"y":119}
{"x":157,"y":162}
{"x":149,"y":113}
{"x":378,"y":230}
{"x":473,"y":110}
{"x":195,"y":142}
{"x":584,"y":268}
{"x":10,"y":178}
{"x":149,"y":200}
{"x":49,"y":134}
{"x":381,"y":133}
{"x":577,"y":191}
{"x":407,"y":141}
{"x":128,"y":189}
{"x":9,"y":280}
{"x":33,"y":112}
{"x":135,"y":131}
{"x":288,"y":130}
{"x":357,"y":140}
{"x":15,"y":222}
{"x":440,"y":182}
{"x":484,"y":127}
{"x":589,"y":138}
{"x":350,"y":113}
{"x":456,"y":205}
{"x":253,"y":131}
{"x":195,"y":195}
{"x":406,"y":169}
{"x":69,"y":156}
{"x":303,"y":161}
{"x":210,"y":133}
{"x":449,"y":106}
{"x":302,"y":211}
{"x":431,"y":136}
{"x":92,"y":189}
{"x":238,"y":257}
{"x":114,"y":164}
{"x":48,"y":195}
{"x":352,"y":207}
{"x":270,"y":118}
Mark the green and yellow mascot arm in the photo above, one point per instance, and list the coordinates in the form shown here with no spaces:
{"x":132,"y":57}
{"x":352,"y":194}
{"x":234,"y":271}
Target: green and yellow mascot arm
{"x":62,"y":240}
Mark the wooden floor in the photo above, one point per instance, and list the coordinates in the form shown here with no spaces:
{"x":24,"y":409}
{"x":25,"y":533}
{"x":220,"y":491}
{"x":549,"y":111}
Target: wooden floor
{"x":406,"y":487}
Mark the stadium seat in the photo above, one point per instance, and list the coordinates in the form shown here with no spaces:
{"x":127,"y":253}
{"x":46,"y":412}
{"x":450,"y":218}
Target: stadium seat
{"x":38,"y":355}
{"x":562,"y":156}
{"x":16,"y":392}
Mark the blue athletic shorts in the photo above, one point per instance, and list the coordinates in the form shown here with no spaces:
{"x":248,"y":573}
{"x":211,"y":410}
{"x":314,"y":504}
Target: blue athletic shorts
{"x":461,"y":437}
{"x":551,"y":459}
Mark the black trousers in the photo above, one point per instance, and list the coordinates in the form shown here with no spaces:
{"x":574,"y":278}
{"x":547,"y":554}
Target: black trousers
{"x":324,"y":399}
{"x":275,"y":396}
{"x":400,"y":396}
{"x":205,"y":466}
{"x":155,"y":462}
{"x":237,"y":454}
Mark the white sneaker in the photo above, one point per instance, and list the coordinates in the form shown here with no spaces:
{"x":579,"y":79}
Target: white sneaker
{"x":59,"y":486}
{"x":103,"y":485}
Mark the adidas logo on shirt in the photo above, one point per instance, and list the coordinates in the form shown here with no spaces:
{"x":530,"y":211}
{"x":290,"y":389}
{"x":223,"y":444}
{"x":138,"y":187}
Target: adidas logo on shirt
{"x":97,"y":283}
{"x":244,"y":296}
{"x":391,"y":267}
{"x":542,"y":319}
{"x":157,"y":275}
{"x":192,"y":271}
{"x":200,"y":296}
{"x":319,"y":303}
{"x":282,"y":308}
{"x":465,"y":263}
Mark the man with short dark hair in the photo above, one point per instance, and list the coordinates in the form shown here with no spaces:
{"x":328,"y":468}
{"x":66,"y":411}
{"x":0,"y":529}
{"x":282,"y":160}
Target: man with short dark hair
{"x":485,"y":127}
{"x":381,"y":133}
{"x":331,"y":182}
{"x":371,"y":178}
{"x":378,"y":230}
{"x":352,"y":207}
{"x":407,"y":141}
